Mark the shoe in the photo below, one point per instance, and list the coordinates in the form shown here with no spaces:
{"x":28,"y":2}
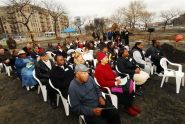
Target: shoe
{"x":136,"y":108}
{"x":131,"y":112}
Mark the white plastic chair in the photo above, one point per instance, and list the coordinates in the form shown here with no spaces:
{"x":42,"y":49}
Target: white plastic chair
{"x":113,"y":97}
{"x":153,"y":67}
{"x":41,"y":87}
{"x":127,"y":77}
{"x":8,"y":69}
{"x":95,"y":61}
{"x":51,"y":55}
{"x":121,"y":72}
{"x":179,"y":75}
{"x":1,"y":67}
{"x":64,"y":101}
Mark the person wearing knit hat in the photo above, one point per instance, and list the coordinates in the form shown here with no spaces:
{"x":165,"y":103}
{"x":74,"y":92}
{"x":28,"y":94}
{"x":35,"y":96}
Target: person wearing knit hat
{"x":100,"y":56}
{"x":106,"y":77}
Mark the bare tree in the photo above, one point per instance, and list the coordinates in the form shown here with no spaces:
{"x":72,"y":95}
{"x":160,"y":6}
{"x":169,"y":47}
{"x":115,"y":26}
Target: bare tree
{"x":146,"y":17}
{"x":133,"y":12}
{"x":99,"y":24}
{"x":118,"y":17}
{"x":168,"y":15}
{"x":25,"y":9}
{"x":57,"y":13}
{"x":89,"y":28}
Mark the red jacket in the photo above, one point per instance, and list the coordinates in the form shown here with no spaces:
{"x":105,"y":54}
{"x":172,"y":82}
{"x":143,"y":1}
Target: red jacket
{"x":105,"y":75}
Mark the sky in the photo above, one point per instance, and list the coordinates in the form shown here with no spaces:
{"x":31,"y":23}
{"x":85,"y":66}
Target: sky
{"x":105,"y":8}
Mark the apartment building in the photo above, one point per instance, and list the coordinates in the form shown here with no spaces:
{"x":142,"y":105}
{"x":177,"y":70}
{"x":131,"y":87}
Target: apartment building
{"x":40,"y":21}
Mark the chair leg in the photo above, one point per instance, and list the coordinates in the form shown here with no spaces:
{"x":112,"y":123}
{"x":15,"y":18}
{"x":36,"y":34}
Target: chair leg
{"x":38,"y":89}
{"x":44,"y":93}
{"x":152,"y":70}
{"x":166,"y":80}
{"x":58,"y":98}
{"x":162,"y":82}
{"x":28,"y":88}
{"x":80,"y":120}
{"x":183,"y":81}
{"x":66,"y":105}
{"x":7,"y":70}
{"x":178,"y":84}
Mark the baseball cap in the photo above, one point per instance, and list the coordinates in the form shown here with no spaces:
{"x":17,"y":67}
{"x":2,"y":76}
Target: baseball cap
{"x":81,"y":67}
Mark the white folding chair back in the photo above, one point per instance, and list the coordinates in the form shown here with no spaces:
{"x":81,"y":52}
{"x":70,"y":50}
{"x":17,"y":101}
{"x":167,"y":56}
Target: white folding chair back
{"x":8,"y":69}
{"x":1,"y":67}
{"x":116,"y":67}
{"x":51,"y":55}
{"x":153,"y":67}
{"x":41,"y":87}
{"x":113,"y":97}
{"x":179,"y":75}
{"x":95,"y":61}
{"x":101,"y":86}
{"x":64,"y":101}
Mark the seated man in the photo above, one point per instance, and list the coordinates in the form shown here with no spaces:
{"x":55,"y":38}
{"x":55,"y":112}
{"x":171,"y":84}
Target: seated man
{"x":61,"y":75}
{"x":42,"y":70}
{"x":86,"y":99}
{"x":4,"y":56}
{"x":61,"y":51}
{"x":156,"y":54}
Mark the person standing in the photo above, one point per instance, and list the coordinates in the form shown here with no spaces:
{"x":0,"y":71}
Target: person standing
{"x":126,"y":36}
{"x":11,"y":43}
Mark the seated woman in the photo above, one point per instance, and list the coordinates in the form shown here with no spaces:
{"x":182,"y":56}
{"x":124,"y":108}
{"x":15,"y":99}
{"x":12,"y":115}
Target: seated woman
{"x":139,"y":57}
{"x":78,"y":59}
{"x":24,"y":68}
{"x":126,"y":64}
{"x":107,"y":78}
{"x":88,"y":57}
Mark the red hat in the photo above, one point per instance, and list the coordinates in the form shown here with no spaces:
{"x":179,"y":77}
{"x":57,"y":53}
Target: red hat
{"x":100,"y":56}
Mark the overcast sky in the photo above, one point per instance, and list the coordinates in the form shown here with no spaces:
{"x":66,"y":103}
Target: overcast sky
{"x":101,"y":8}
{"x":107,"y":7}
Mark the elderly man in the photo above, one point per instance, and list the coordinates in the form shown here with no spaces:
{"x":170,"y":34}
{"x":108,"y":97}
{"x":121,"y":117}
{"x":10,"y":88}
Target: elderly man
{"x":42,"y":69}
{"x":86,"y":99}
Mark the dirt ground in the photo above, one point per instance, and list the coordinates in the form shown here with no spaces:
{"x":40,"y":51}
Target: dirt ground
{"x":159,"y":105}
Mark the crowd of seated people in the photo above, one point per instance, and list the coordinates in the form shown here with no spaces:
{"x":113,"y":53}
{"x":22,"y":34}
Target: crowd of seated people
{"x":73,"y":70}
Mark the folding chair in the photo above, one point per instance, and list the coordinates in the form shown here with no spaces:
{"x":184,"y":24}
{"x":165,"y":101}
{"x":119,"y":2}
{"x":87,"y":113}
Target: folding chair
{"x":41,"y":87}
{"x":64,"y":101}
{"x":179,"y":75}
